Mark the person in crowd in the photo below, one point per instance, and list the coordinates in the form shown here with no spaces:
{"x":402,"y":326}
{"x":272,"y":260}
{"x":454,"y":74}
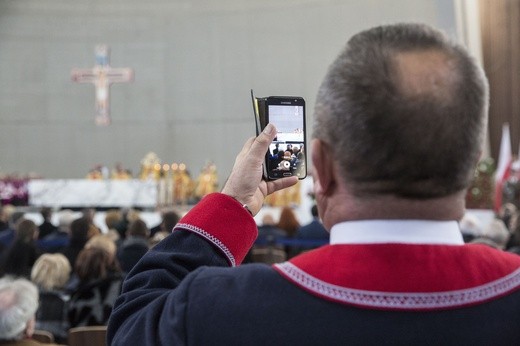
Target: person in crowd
{"x":470,"y":227}
{"x":297,"y":157}
{"x":8,"y":235}
{"x":290,"y":224}
{"x":399,"y":126}
{"x":269,"y":246}
{"x":5,"y":214}
{"x":314,"y":229}
{"x":65,"y":219}
{"x":58,"y":239}
{"x":112,"y":219}
{"x":21,"y":255}
{"x":495,"y":235}
{"x":99,"y":287}
{"x":5,"y":231}
{"x":120,"y":173}
{"x":288,"y":221}
{"x":79,"y":229}
{"x":514,"y":229}
{"x":169,"y":219}
{"x":122,"y":225}
{"x":89,"y":214}
{"x":134,"y":246}
{"x":50,"y":274}
{"x":311,"y":235}
{"x":268,"y":231}
{"x":128,"y":215}
{"x":157,"y":238}
{"x":106,"y":243}
{"x":506,"y":213}
{"x":511,"y":187}
{"x":18,"y":305}
{"x":93,"y":231}
{"x":276,"y":149}
{"x":275,"y":160}
{"x":46,"y":227}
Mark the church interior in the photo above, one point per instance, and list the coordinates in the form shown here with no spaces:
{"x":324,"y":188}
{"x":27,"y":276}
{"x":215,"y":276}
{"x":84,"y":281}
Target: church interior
{"x":179,"y":76}
{"x":141,"y":107}
{"x":154,"y":99}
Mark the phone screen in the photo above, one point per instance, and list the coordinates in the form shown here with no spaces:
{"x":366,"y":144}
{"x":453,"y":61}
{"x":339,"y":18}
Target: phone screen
{"x":286,"y":155}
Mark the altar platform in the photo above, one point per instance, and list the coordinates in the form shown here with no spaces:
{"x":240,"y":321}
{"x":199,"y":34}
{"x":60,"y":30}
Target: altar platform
{"x":144,"y":195}
{"x":82,"y":193}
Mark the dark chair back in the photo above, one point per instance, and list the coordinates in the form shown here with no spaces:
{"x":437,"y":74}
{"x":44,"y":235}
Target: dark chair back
{"x":88,"y":336}
{"x":52,"y":314}
{"x":268,"y":255}
{"x":43,"y":336}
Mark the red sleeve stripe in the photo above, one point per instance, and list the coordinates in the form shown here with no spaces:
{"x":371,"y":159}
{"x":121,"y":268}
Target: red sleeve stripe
{"x":214,"y":240}
{"x":225,"y":223}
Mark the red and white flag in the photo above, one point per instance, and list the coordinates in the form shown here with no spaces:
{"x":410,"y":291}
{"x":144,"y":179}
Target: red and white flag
{"x":505,"y":158}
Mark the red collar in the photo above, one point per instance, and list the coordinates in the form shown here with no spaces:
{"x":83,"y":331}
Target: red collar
{"x":405,"y":277}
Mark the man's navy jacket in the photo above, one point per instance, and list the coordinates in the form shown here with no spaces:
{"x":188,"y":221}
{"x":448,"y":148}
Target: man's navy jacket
{"x":191,"y":290}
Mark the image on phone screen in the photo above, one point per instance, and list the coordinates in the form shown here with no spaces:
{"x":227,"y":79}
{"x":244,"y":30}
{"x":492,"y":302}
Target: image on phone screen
{"x":286,"y":155}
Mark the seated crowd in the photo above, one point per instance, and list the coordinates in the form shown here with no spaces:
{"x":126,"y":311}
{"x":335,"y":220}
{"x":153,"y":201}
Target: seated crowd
{"x":77,"y":269}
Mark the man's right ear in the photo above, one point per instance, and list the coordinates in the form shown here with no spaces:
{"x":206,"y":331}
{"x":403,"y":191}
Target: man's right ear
{"x":323,"y":167}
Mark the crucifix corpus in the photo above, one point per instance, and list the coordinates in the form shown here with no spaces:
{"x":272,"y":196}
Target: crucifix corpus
{"x":102,"y":76}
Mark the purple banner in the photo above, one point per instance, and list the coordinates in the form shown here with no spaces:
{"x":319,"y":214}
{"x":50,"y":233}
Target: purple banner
{"x":14,"y":191}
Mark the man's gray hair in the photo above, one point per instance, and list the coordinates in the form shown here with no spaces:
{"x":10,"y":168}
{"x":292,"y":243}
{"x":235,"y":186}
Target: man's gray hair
{"x":18,"y":305}
{"x":400,"y":125}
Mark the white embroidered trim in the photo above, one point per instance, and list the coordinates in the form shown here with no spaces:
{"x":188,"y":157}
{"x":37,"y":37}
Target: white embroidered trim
{"x":401,"y":300}
{"x":209,"y":237}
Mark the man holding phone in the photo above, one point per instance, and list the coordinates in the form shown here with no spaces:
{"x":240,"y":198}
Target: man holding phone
{"x":399,"y":125}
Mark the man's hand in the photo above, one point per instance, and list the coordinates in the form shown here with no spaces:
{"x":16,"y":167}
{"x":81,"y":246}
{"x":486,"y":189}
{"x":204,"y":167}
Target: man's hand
{"x":245,"y":182}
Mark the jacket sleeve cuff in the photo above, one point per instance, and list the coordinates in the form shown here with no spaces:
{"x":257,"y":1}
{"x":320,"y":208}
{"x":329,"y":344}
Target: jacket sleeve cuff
{"x":222,"y":221}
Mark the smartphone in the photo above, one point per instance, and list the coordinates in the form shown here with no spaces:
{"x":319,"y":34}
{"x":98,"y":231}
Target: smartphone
{"x":286,"y":155}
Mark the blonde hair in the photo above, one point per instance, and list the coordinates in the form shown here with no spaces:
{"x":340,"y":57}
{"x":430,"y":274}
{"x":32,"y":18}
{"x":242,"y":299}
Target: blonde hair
{"x":113,"y":234}
{"x":103,"y":242}
{"x":93,"y":231}
{"x":51,"y":271}
{"x":132,"y":215}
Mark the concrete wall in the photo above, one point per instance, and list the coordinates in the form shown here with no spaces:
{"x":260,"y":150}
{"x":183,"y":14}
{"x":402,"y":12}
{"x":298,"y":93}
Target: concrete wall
{"x":194,"y":63}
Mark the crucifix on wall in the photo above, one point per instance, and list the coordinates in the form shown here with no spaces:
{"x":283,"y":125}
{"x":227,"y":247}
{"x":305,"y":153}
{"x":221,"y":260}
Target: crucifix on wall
{"x":102,"y":76}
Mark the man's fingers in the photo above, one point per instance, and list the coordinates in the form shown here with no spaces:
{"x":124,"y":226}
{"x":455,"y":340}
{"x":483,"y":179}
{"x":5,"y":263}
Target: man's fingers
{"x":247,"y":146}
{"x":245,"y":149}
{"x":279,"y":184}
{"x":261,"y":143}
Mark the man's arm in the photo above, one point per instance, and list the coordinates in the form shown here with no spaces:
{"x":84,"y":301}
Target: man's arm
{"x":216,"y":232}
{"x":151,"y":308}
